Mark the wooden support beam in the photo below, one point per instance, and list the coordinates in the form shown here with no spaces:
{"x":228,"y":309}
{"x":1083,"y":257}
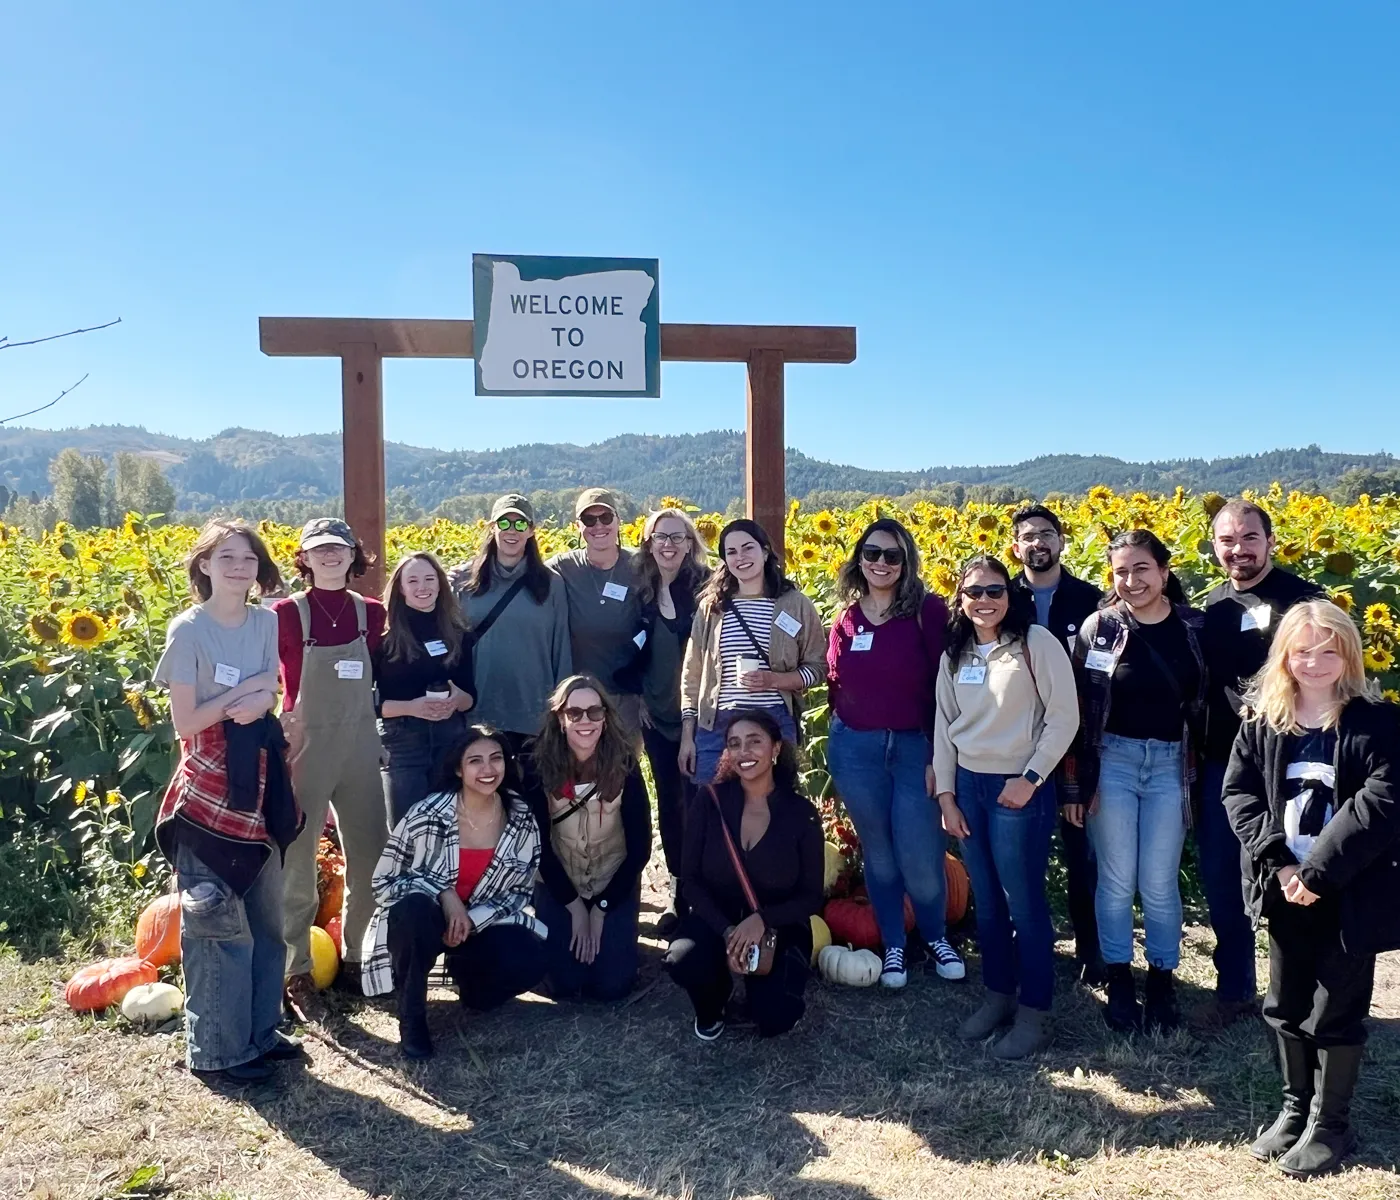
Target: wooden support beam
{"x":362,"y":440}
{"x":765,"y":467}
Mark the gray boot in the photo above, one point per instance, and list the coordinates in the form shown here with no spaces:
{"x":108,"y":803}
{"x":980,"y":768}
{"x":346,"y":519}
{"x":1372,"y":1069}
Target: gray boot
{"x":996,"y":1011}
{"x":1030,"y":1033}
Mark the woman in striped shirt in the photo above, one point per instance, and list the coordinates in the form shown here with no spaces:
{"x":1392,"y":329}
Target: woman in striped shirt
{"x":756,"y":642}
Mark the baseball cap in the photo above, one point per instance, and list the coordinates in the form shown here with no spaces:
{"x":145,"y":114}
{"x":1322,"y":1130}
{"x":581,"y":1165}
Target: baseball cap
{"x":514,"y":503}
{"x":594,"y":498}
{"x":326,"y":531}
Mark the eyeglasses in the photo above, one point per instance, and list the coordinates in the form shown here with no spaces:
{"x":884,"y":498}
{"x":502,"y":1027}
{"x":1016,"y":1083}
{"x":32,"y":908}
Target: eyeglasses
{"x":893,"y":555}
{"x":595,"y":712}
{"x":671,"y":539}
{"x":602,"y":518}
{"x":993,"y":591}
{"x":1027,"y":536}
{"x":519,"y":524}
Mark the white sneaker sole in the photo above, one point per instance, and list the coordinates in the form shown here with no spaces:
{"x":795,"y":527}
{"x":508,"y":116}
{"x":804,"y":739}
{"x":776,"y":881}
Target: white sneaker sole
{"x":894,"y":979}
{"x":950,"y":970}
{"x":707,"y":1035}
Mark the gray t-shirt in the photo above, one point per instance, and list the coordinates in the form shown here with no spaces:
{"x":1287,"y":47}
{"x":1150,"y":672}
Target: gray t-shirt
{"x":1044,"y":598}
{"x":214,"y":657}
{"x":605,"y":613}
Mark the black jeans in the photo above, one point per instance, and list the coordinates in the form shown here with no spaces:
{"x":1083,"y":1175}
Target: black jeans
{"x":413,"y":747}
{"x":490,"y":967}
{"x":673,"y":792}
{"x":613,"y":971}
{"x":697,"y":961}
{"x":1081,"y":881}
{"x":1317,"y":991}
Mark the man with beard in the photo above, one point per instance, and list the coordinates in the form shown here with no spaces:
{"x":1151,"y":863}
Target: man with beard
{"x":1054,"y":598}
{"x":1241,"y":616}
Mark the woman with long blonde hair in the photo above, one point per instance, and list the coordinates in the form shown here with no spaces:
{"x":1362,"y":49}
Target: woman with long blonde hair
{"x":1311,"y":794}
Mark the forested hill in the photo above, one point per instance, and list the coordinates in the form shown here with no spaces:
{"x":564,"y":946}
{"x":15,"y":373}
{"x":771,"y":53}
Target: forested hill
{"x":245,"y":465}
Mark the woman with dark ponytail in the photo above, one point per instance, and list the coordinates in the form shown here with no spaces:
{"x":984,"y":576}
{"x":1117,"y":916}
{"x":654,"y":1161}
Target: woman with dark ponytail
{"x":1142,"y":687}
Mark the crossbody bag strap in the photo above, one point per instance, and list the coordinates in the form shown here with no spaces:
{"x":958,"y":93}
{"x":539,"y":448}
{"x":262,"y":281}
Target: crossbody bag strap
{"x":1165,"y":668}
{"x":497,"y":609}
{"x":743,"y":875}
{"x":731,"y":607}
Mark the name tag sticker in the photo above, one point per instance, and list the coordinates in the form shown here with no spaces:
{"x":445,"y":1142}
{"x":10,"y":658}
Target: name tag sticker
{"x":863,"y":641}
{"x":1099,"y":660}
{"x":350,"y":668}
{"x":789,"y":624}
{"x":226,"y":676}
{"x":437,"y":648}
{"x":641,"y":639}
{"x":614,"y":591}
{"x":1257,"y":617}
{"x":973,"y":673}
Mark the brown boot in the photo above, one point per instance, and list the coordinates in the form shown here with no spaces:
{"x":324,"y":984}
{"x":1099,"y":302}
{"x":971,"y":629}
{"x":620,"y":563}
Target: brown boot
{"x":304,"y":1001}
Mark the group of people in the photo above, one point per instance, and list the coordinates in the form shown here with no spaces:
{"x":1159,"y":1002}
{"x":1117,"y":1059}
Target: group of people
{"x":479,"y":733}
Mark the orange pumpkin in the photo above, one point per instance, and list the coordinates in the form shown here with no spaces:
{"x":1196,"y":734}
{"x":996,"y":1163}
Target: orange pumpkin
{"x":158,"y":931}
{"x":107,"y":982}
{"x":957,"y":887}
{"x":330,"y":881}
{"x":333,"y":928}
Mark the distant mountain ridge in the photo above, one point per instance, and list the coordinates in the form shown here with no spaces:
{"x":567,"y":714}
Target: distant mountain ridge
{"x":707,"y":468}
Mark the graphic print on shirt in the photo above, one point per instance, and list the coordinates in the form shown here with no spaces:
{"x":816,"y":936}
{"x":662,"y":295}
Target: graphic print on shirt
{"x":1309,"y":802}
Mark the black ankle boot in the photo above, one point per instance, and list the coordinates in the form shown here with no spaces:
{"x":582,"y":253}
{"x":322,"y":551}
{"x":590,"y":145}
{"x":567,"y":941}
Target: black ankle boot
{"x":1298,"y":1062}
{"x":1159,"y":1004}
{"x":1329,"y":1137}
{"x":414,"y":1040}
{"x":1122,"y":1012}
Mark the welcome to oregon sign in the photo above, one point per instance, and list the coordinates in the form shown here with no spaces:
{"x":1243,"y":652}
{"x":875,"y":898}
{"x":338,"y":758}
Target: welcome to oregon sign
{"x":566,"y":326}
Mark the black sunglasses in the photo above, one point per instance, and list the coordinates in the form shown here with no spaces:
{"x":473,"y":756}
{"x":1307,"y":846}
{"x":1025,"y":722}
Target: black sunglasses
{"x":520,"y":524}
{"x":993,"y":591}
{"x":595,"y":712}
{"x":592,"y":519}
{"x":893,"y":555}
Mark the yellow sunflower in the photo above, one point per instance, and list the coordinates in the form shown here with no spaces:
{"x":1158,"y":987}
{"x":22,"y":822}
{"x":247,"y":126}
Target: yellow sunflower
{"x":84,"y":629}
{"x":1392,"y":695}
{"x":1377,"y":659}
{"x":708,"y":529}
{"x":986,"y":521}
{"x":45,"y":628}
{"x":1290,"y":552}
{"x":825,"y":525}
{"x":1378,"y":614}
{"x":1343,"y":600}
{"x":808,"y":554}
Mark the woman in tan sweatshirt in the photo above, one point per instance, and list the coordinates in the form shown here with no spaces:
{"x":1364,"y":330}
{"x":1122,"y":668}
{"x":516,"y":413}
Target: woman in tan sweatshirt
{"x":1007,"y":712}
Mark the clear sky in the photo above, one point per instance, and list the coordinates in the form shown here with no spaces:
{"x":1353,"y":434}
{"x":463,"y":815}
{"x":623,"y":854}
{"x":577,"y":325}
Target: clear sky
{"x":1148,"y":231}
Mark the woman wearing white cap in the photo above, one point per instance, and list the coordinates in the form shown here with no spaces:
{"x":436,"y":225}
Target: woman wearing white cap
{"x":326,"y":636}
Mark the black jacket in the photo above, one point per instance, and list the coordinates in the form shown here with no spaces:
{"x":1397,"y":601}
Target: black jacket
{"x":1356,"y":858}
{"x":1074,"y":602}
{"x":683,"y":599}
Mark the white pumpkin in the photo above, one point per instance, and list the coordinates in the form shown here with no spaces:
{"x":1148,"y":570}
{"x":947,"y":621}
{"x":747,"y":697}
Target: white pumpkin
{"x":152,"y":1003}
{"x":854,"y":968}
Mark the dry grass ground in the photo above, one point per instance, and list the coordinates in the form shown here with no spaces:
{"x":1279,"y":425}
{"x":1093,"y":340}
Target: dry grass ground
{"x":871,"y":1097}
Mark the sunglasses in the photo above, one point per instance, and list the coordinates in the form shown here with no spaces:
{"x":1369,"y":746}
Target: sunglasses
{"x":993,"y":591}
{"x":893,"y":555}
{"x":519,"y":524}
{"x":671,"y":539}
{"x":595,"y":712}
{"x":603,"y":518}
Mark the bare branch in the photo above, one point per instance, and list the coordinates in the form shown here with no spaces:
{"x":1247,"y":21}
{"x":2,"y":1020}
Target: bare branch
{"x":50,"y":404}
{"x":6,"y":344}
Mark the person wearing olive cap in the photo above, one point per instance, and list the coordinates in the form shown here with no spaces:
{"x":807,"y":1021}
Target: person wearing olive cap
{"x":603,"y":588}
{"x":326,"y":635}
{"x":518,"y":618}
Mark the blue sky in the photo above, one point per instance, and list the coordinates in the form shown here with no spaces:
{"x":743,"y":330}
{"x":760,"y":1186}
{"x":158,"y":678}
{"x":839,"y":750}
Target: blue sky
{"x":1086,"y":227}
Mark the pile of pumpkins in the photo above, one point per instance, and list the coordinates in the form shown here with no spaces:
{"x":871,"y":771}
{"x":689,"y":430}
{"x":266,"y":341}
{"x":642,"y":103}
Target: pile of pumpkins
{"x":133,"y":981}
{"x":846,"y":935}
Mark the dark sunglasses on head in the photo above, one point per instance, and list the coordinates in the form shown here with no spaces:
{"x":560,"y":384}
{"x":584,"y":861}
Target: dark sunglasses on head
{"x":993,"y":591}
{"x":893,"y":555}
{"x":520,"y":524}
{"x":595,"y":712}
{"x":602,"y":518}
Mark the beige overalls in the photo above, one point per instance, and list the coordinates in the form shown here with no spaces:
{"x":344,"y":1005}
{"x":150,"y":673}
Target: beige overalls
{"x":338,"y":768}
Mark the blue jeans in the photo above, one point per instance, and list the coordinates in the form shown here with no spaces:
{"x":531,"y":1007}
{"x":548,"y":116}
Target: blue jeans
{"x":413,"y":747}
{"x":233,"y":955}
{"x":1221,"y":874}
{"x":1138,"y":832}
{"x":879,"y":775}
{"x":709,"y":743}
{"x":1007,"y":853}
{"x":613,"y":971}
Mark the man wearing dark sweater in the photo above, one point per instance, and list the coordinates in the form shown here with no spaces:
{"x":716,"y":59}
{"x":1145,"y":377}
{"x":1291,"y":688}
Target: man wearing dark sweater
{"x":1054,"y":598}
{"x":1241,"y":616}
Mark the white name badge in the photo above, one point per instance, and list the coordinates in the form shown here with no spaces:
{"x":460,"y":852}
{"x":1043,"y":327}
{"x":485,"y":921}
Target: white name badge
{"x":789,"y":624}
{"x":226,"y":676}
{"x":973,"y":673}
{"x":1258,"y":617}
{"x":1099,"y":660}
{"x":641,"y":639}
{"x":614,"y":591}
{"x":863,"y":641}
{"x":350,"y":668}
{"x":436,"y":647}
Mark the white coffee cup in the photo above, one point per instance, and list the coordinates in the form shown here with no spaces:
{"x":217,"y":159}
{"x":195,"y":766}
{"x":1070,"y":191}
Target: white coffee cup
{"x":438,"y":695}
{"x":743,"y":664}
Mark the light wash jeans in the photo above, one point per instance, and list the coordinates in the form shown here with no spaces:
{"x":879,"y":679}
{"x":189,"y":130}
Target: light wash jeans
{"x":233,"y":956}
{"x":1138,"y":832}
{"x":879,"y":775}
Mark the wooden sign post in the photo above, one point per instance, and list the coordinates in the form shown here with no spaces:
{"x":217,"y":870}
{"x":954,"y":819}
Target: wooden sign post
{"x":362,"y":344}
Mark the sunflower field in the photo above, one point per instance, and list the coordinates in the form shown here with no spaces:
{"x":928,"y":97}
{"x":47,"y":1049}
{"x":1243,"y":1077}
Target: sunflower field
{"x":86,"y":744}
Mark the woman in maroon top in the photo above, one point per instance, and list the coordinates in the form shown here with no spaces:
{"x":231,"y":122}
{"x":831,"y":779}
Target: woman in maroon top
{"x":882,"y":665}
{"x":325,"y":637}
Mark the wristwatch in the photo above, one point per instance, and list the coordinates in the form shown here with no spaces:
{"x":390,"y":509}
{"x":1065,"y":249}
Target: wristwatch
{"x":1032,"y":777}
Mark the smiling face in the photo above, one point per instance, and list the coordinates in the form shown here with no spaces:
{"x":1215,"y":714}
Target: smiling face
{"x":880,"y":575}
{"x":511,"y":542}
{"x":986,"y":612}
{"x":669,"y":553}
{"x":232,"y":566}
{"x":602,"y":534}
{"x":744,"y":558}
{"x":483,"y":768}
{"x":582,"y":719}
{"x":1315,"y":660}
{"x":1241,"y":545}
{"x":1137,"y":579}
{"x":329,"y":563}
{"x":751,"y":751}
{"x":1037,"y":545}
{"x":419,"y":585}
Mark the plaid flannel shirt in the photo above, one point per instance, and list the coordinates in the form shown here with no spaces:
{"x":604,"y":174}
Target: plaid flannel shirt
{"x":422,"y":856}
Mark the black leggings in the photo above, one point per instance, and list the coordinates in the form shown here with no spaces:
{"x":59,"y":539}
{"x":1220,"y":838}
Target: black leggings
{"x":673,"y":791}
{"x":1318,"y":992}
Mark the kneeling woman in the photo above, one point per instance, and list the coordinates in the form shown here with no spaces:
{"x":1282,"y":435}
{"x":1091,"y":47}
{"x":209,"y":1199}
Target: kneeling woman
{"x":595,"y":823}
{"x":752,"y":834}
{"x":456,"y":876}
